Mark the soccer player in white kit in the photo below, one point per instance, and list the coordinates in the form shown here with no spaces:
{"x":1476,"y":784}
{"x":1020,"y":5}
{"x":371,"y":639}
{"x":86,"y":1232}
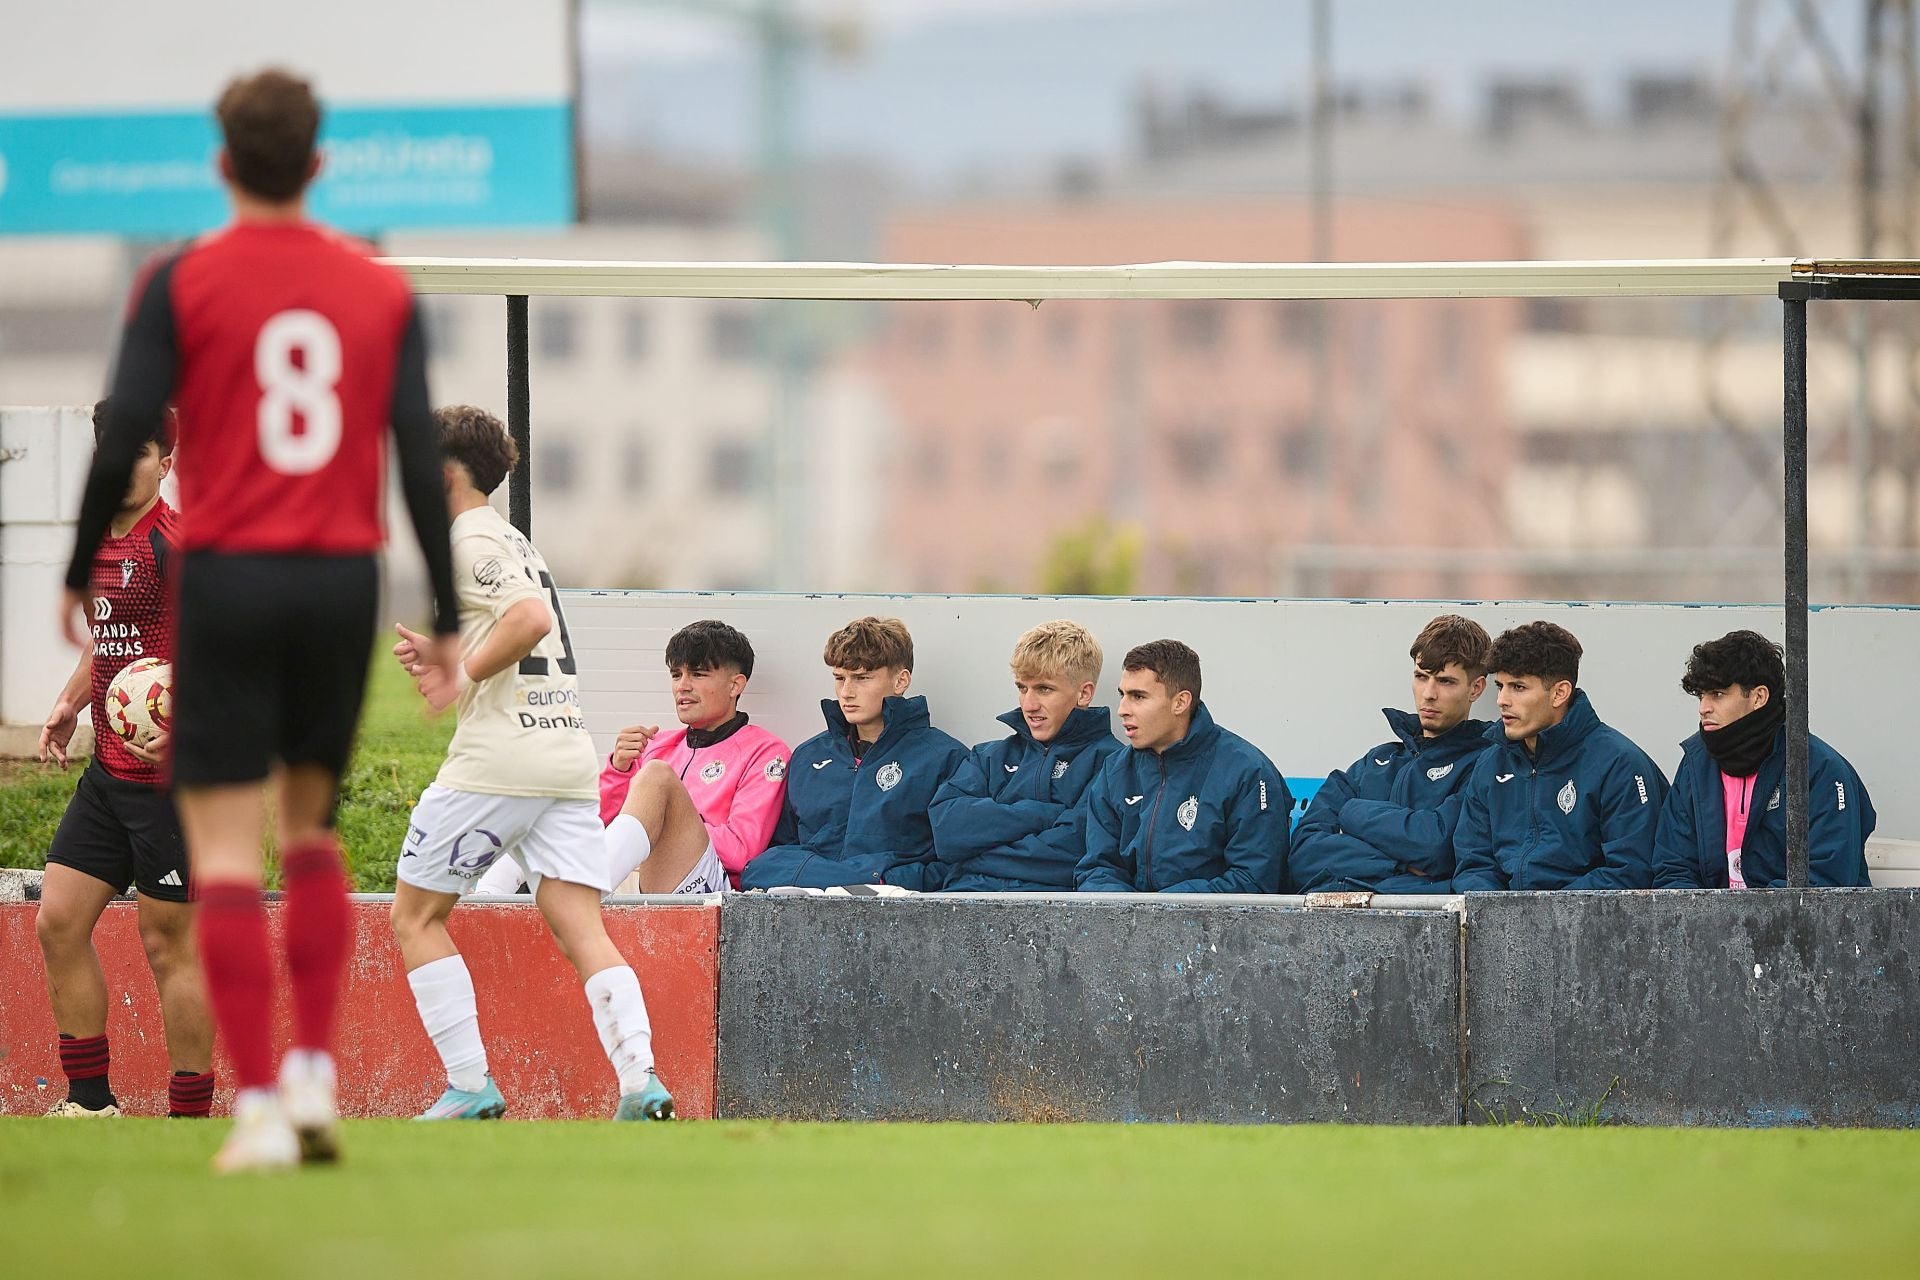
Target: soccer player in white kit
{"x":520,"y":780}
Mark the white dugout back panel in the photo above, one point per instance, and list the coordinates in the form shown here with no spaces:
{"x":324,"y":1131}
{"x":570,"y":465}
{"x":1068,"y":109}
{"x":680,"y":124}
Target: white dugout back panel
{"x":1302,"y":679}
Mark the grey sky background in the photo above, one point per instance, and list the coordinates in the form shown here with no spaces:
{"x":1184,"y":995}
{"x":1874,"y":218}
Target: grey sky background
{"x":944,"y":87}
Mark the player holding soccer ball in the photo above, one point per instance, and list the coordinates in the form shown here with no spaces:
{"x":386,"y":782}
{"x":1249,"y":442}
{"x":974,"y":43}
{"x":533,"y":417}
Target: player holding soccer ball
{"x":521,"y":781}
{"x":288,"y":351}
{"x":119,"y":829}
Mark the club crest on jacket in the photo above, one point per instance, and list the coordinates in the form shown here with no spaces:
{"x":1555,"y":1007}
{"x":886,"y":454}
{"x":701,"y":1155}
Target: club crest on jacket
{"x":1188,"y":812}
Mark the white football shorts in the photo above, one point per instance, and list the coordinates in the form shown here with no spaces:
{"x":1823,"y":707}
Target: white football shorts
{"x":455,"y":836}
{"x":707,"y":876}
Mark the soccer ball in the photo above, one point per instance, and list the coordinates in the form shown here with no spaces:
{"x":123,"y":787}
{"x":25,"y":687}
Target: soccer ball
{"x":139,"y":702}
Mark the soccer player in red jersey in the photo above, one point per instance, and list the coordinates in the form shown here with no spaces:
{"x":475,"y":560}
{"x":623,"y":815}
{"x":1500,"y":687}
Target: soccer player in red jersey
{"x":120,"y":829}
{"x":288,"y":351}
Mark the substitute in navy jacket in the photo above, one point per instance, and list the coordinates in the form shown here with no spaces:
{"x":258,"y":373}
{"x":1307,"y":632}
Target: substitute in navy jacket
{"x":1385,"y":824}
{"x":1577,"y":814}
{"x":859,"y":822}
{"x":1690,"y":848}
{"x":1207,"y":815}
{"x":1010,"y":817}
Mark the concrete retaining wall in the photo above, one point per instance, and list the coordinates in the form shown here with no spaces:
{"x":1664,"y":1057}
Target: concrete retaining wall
{"x":1646,"y":1008}
{"x":1707,"y":1008}
{"x":1087,"y":1010}
{"x":540,"y":1037}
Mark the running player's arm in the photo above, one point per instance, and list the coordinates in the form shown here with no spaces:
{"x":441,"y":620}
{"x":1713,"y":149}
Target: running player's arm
{"x":417,"y":443}
{"x":518,"y":607}
{"x":142,"y":383}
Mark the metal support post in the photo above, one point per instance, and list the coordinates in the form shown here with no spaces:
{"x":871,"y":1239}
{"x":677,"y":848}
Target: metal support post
{"x":1794,"y":449}
{"x":519,"y":417}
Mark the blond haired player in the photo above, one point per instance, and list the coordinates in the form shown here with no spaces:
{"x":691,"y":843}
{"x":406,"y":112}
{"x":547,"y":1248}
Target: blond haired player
{"x":520,"y":780}
{"x":1010,"y":816}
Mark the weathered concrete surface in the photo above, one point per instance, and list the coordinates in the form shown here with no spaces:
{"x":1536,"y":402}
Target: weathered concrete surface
{"x":1712,"y":1008}
{"x":872,"y":1008}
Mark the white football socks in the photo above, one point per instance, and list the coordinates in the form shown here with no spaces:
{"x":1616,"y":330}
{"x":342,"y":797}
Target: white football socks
{"x":443,"y":992}
{"x":620,"y":1015}
{"x":628,"y":845}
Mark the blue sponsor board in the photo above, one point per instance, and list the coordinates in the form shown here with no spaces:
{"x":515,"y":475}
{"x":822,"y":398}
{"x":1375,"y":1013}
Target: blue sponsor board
{"x":153,"y":175}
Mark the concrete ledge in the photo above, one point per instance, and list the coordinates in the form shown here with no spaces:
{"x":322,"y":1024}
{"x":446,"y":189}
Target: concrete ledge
{"x":1064,"y":1009}
{"x":19,"y":884}
{"x":22,"y":742}
{"x":1695,"y":1007}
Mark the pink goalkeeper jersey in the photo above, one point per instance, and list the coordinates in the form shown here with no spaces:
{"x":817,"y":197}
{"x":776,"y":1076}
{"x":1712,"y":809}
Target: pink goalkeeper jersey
{"x":737,"y":784}
{"x":1738,"y":794}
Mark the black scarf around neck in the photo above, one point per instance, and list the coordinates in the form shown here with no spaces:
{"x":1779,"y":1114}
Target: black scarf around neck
{"x":1741,"y":747}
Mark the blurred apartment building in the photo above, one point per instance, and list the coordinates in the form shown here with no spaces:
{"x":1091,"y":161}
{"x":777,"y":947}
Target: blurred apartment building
{"x":1016,"y":427}
{"x":1644,"y":433}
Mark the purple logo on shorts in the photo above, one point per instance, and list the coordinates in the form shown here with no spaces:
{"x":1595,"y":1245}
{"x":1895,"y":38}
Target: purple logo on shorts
{"x":466,"y":864}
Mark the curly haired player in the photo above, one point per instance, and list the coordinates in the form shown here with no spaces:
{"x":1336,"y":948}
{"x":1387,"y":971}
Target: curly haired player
{"x":518,"y":783}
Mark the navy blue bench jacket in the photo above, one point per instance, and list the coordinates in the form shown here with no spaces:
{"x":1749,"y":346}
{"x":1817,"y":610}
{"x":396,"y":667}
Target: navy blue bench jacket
{"x":864,"y":821}
{"x":1207,"y":815}
{"x":997,"y":822}
{"x":1579,"y":814}
{"x":1690,"y":849}
{"x":1385,"y":823}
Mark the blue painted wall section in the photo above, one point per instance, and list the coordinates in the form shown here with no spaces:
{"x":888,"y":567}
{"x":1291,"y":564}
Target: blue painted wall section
{"x":1707,"y":1008}
{"x":386,"y":168}
{"x":945,"y":1009}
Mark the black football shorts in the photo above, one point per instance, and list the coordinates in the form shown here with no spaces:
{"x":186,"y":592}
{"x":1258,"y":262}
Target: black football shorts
{"x":270,"y":663}
{"x":125,"y":833}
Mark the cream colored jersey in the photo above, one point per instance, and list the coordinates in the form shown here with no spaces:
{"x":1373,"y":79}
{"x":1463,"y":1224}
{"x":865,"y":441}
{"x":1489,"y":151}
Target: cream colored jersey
{"x":520,"y":731}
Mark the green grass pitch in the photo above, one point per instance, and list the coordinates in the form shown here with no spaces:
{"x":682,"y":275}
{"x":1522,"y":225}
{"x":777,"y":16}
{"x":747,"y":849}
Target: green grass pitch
{"x":134,"y":1198}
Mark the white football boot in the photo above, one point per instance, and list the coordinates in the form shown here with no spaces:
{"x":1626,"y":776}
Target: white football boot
{"x":261,"y":1139}
{"x":307,"y":1099}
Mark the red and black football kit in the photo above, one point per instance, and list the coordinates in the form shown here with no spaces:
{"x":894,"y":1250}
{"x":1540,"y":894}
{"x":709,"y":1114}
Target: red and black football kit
{"x":120,"y":826}
{"x":288,"y":351}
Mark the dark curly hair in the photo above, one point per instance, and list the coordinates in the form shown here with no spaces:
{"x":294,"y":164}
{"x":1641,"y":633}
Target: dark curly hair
{"x":477,"y":441}
{"x":1177,"y":665}
{"x":1744,"y":658}
{"x":709,"y":645}
{"x":1542,"y":649}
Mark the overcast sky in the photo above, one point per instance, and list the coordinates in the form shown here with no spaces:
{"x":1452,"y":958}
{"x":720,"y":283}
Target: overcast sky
{"x":942,"y":86}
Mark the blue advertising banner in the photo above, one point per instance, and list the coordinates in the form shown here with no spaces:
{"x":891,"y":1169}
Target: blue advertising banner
{"x":152,"y":175}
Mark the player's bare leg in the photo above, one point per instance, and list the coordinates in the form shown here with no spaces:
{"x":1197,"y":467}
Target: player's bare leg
{"x":223,"y":825}
{"x":166,"y":931}
{"x":70,"y":905}
{"x":671,"y":837}
{"x":319,"y":940}
{"x":572,"y":912}
{"x":443,"y":993}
